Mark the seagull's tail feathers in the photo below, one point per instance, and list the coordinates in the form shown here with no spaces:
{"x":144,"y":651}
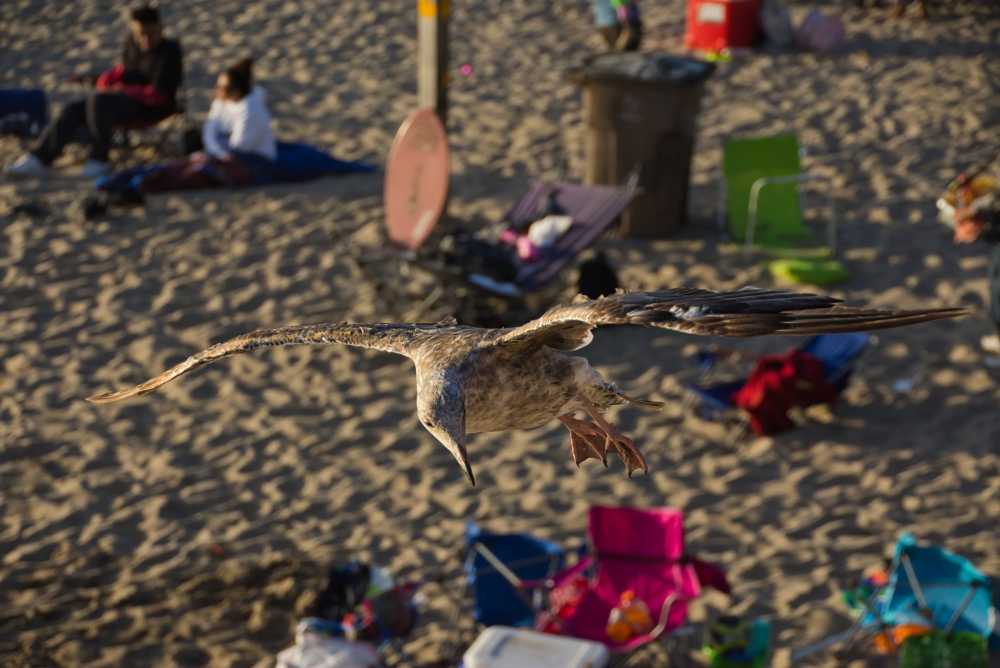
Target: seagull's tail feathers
{"x":389,"y":338}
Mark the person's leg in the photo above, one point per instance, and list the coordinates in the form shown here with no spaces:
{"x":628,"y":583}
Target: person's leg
{"x":60,"y":132}
{"x":261,"y":170}
{"x":606,"y":21}
{"x":186,"y":174}
{"x":631,"y":37}
{"x":105,"y":111}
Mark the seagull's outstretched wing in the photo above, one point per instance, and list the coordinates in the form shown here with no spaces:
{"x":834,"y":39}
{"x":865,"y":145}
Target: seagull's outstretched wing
{"x":744,"y":312}
{"x":386,"y":337}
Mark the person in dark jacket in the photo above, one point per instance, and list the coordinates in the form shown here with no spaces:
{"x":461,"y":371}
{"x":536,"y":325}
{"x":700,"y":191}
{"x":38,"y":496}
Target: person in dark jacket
{"x":141,"y":90}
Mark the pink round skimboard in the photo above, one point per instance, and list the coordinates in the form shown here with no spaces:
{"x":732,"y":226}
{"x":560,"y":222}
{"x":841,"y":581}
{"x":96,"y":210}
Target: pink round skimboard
{"x":416,"y":179}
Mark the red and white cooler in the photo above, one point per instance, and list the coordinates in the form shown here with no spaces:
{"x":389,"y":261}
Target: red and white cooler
{"x":714,"y":25}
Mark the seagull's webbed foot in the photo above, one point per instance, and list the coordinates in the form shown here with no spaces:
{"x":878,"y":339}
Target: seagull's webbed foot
{"x":633,"y":459}
{"x":586,"y":441}
{"x":626,"y":448}
{"x":592,"y":440}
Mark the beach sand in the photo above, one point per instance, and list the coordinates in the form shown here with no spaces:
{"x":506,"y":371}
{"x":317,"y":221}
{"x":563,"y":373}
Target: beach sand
{"x":194,"y":526}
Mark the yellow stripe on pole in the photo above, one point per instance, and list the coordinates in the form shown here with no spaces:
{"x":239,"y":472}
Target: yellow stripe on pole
{"x":430,"y":8}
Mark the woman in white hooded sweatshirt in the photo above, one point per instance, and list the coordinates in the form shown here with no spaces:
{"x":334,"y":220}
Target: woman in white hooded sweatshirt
{"x":239,"y":125}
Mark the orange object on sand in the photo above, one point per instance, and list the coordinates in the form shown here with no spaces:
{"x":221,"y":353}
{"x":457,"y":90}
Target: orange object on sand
{"x":898,"y":635}
{"x":878,"y":577}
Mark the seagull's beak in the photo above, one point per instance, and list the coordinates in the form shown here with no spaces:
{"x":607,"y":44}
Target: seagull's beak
{"x":457,"y":449}
{"x":448,"y":427}
{"x":458,"y":452}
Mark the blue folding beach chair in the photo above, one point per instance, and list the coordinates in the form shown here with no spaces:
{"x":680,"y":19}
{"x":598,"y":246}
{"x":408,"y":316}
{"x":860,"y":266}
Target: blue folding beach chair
{"x":837,"y":352}
{"x":494,"y":561}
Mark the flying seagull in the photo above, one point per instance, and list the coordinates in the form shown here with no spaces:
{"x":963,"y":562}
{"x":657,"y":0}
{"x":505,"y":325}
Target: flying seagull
{"x":472,"y":380}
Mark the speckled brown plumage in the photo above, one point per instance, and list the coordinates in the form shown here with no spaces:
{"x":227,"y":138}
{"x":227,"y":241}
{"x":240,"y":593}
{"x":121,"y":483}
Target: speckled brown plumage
{"x":472,"y":380}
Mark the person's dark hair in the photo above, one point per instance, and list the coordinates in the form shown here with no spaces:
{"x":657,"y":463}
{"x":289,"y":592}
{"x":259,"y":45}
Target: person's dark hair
{"x":145,"y":14}
{"x":240,"y":77}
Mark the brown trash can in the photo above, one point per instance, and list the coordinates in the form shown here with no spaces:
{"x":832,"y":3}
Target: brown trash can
{"x":641,"y":112}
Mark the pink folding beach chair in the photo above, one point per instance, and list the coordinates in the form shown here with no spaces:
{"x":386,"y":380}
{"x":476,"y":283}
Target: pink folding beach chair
{"x":641,"y":550}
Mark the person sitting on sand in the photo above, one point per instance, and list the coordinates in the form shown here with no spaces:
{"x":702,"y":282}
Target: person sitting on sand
{"x":141,"y":89}
{"x":239,"y":124}
{"x":238,"y":149}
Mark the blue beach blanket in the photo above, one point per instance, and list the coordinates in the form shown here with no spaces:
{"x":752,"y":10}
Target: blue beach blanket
{"x":294,"y":163}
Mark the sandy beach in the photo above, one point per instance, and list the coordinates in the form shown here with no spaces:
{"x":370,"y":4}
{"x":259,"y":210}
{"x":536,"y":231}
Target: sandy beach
{"x":193,"y":527}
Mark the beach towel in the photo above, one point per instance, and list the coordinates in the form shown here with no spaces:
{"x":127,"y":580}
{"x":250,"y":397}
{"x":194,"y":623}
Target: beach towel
{"x":302,"y":162}
{"x":295,"y":162}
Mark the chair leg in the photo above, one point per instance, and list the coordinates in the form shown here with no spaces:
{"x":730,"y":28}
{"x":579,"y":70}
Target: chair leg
{"x":918,"y":591}
{"x":961,"y":608}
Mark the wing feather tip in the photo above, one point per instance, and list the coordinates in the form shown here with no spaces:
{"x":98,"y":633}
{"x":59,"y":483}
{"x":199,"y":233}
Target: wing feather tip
{"x":111,"y":397}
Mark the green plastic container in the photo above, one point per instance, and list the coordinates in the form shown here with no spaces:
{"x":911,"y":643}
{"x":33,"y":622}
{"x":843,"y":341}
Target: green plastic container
{"x":936,"y":650}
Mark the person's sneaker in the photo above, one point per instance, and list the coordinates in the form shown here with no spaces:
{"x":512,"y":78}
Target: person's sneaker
{"x":93,"y":169}
{"x":26,"y":166}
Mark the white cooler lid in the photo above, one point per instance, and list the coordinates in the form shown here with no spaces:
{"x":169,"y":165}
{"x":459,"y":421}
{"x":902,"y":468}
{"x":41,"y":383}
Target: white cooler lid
{"x":505,"y":647}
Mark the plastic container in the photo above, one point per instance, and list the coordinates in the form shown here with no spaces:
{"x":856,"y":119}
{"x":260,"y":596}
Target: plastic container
{"x":505,"y":647}
{"x":316,"y":650}
{"x":641,"y":112}
{"x":636,"y":613}
{"x":618,"y":629}
{"x":715,"y":25}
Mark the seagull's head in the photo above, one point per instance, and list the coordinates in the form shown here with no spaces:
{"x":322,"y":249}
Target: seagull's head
{"x":449,"y":429}
{"x":441,"y":409}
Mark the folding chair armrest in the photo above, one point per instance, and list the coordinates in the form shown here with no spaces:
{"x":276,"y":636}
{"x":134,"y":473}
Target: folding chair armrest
{"x":661,"y":623}
{"x":765,"y":181}
{"x":532,"y":585}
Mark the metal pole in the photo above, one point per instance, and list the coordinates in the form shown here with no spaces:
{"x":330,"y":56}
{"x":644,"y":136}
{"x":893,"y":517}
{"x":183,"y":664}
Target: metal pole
{"x":432,"y":67}
{"x":500,"y":567}
{"x":960,"y":610}
{"x":918,"y":592}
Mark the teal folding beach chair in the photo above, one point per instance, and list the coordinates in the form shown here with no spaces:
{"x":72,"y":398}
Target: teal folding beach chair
{"x":760,"y":206}
{"x":928,"y":586}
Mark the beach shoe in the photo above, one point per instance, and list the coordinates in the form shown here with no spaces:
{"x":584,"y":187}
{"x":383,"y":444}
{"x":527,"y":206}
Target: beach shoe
{"x":93,"y":169}
{"x":26,"y":166}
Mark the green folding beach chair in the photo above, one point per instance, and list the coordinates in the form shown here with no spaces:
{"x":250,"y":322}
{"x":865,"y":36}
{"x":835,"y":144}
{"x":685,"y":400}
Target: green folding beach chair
{"x":760,"y":206}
